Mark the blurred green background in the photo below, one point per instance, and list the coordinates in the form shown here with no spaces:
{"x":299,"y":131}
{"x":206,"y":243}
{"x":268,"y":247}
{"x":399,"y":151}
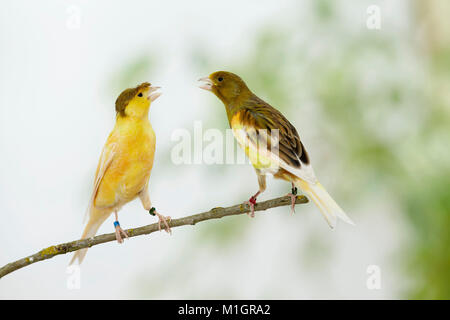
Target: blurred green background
{"x":372,"y":106}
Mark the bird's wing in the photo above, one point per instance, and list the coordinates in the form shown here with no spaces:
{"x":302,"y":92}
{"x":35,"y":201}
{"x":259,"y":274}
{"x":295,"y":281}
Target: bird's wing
{"x":106,"y":158}
{"x":266,"y":130}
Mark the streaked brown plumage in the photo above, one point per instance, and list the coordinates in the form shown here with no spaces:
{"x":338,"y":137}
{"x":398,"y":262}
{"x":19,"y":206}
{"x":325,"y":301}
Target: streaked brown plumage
{"x":270,"y":141}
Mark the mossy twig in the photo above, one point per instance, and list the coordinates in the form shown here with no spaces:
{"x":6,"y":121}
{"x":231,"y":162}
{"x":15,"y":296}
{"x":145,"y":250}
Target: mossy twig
{"x":214,"y":213}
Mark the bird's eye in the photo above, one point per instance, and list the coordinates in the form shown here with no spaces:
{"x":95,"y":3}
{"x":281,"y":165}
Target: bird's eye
{"x":140,"y":94}
{"x":220,"y":79}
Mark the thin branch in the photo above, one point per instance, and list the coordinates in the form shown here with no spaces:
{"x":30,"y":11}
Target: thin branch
{"x":214,"y":213}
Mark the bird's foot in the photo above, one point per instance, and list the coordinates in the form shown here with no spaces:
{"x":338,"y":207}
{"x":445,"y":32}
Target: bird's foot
{"x":119,"y":232}
{"x":251,"y":203}
{"x":162,"y":219}
{"x":293,"y":196}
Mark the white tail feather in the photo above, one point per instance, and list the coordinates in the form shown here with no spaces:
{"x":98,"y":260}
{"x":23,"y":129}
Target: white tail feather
{"x":328,"y":207}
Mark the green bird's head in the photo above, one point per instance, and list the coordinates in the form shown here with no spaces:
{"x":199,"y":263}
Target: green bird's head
{"x":227,"y":86}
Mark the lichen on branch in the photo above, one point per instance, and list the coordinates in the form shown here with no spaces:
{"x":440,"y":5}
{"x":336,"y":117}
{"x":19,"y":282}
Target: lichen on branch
{"x":215,"y":213}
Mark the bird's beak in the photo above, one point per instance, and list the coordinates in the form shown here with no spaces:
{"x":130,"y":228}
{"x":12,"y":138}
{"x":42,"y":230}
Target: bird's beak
{"x":152,"y":94}
{"x":207,"y":83}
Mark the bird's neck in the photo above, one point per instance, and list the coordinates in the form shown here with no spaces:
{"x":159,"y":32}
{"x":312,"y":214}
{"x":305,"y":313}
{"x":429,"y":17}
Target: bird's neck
{"x":137,"y":110}
{"x":235,"y":105}
{"x":122,"y":121}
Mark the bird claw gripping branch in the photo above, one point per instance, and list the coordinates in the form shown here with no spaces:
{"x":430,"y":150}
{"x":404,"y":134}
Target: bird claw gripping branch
{"x":251,"y":203}
{"x":162,"y":219}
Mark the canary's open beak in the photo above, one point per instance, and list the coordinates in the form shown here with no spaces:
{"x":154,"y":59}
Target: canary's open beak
{"x":153,"y":94}
{"x":207,"y":83}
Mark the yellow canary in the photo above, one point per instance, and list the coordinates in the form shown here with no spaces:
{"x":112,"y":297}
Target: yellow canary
{"x":271,"y":143}
{"x":125,"y":164}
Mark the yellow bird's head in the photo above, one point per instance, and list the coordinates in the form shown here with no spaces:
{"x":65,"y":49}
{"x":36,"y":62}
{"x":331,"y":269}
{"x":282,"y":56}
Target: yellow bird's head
{"x":225,"y":85}
{"x":136,"y":101}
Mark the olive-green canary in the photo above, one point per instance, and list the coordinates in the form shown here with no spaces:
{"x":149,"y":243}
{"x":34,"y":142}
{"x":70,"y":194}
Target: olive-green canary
{"x":271,"y":142}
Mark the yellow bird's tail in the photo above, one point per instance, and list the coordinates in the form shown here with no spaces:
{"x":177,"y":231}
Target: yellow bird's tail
{"x":328,"y":207}
{"x":96,"y":219}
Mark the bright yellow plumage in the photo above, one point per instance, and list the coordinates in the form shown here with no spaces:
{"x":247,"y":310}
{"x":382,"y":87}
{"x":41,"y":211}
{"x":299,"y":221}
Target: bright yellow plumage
{"x":129,"y":172}
{"x":126,"y":162}
{"x":258,"y":155}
